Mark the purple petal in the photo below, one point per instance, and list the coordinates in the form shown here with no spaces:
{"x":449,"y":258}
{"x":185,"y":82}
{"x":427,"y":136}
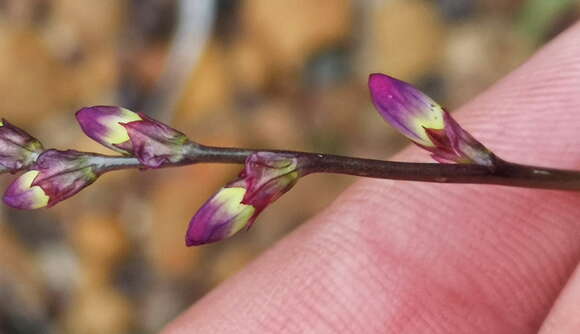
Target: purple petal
{"x":220,"y":217}
{"x":21,"y":194}
{"x":103,"y":124}
{"x":405,"y":107}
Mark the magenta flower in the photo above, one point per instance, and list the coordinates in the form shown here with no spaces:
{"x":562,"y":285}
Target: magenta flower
{"x":130,"y":133}
{"x":56,"y":175}
{"x":18,"y":149}
{"x":424,"y":122}
{"x":265,"y":178}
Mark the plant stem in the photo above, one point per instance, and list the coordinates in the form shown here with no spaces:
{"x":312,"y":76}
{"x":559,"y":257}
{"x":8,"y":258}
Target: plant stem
{"x":501,"y":173}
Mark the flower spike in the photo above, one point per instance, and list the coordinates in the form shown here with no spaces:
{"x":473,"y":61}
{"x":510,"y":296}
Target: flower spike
{"x":423,"y":121}
{"x":265,"y":178}
{"x":130,"y":133}
{"x":56,"y":176}
{"x":18,"y":149}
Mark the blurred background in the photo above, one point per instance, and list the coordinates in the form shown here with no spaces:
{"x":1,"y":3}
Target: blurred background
{"x":252,"y":73}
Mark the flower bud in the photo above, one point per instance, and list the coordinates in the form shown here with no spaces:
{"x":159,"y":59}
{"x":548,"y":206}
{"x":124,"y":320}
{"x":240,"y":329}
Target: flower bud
{"x":424,"y":122}
{"x":122,"y":130}
{"x":57,"y":175}
{"x":18,"y":149}
{"x":21,"y":194}
{"x":265,"y":178}
{"x":104,"y":125}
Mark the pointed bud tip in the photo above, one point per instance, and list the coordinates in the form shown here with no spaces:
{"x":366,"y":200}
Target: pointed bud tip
{"x":382,"y":85}
{"x":95,"y":112}
{"x":21,"y":194}
{"x":380,"y":80}
{"x":103,"y":124}
{"x":222,"y":216}
{"x":406,"y":108}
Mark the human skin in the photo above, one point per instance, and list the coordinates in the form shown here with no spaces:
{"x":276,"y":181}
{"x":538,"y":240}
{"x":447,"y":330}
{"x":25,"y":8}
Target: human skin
{"x":410,"y":257}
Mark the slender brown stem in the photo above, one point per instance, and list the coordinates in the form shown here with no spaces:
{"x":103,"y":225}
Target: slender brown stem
{"x":502,"y":173}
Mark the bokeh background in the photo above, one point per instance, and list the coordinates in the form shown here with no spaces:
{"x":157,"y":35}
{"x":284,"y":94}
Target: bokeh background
{"x":251,"y":73}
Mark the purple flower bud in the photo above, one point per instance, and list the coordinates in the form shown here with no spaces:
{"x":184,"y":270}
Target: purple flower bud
{"x":424,"y":122}
{"x":222,"y":216}
{"x":21,"y":194}
{"x":122,"y":130}
{"x":18,"y":149}
{"x":104,"y":124}
{"x":57,"y":175}
{"x":265,"y":178}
